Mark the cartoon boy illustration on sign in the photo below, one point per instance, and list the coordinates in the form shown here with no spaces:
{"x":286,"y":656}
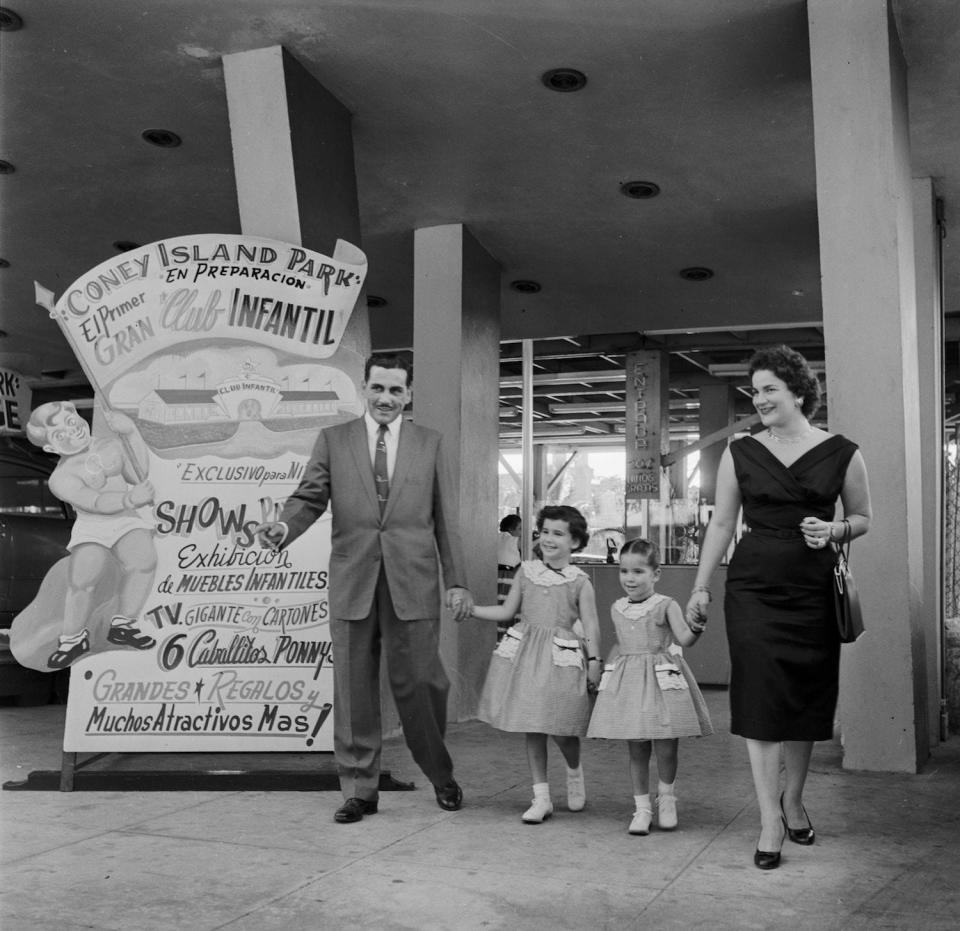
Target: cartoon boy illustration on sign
{"x":103,"y":480}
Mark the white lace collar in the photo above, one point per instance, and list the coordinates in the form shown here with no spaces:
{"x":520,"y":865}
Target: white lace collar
{"x":638,"y":609}
{"x":538,"y":571}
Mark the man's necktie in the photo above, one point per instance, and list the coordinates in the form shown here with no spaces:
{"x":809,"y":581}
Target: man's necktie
{"x":380,"y":475}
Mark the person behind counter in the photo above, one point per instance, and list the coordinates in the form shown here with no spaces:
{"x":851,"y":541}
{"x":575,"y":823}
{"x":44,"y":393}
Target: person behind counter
{"x":781,"y":628}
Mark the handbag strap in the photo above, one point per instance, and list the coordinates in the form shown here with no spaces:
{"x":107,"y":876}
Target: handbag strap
{"x":843,"y":546}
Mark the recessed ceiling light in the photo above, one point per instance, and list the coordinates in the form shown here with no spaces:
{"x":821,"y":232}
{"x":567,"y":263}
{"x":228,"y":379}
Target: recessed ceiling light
{"x":641,"y":190}
{"x":163,"y":138}
{"x":125,"y":245}
{"x":696,"y":273}
{"x":6,"y":168}
{"x":525,"y":286}
{"x":374,"y":301}
{"x":9,"y":21}
{"x":564,"y":80}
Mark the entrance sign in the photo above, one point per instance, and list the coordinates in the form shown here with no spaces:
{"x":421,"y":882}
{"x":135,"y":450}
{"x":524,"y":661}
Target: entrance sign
{"x":215,"y":360}
{"x":647,"y":429}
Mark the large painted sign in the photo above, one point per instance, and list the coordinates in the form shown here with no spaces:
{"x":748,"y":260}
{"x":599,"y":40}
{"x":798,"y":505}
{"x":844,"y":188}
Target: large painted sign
{"x":215,"y":360}
{"x":14,"y":401}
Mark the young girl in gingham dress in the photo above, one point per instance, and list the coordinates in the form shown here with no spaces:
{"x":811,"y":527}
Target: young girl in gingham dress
{"x":538,"y":675}
{"x":647,"y":695}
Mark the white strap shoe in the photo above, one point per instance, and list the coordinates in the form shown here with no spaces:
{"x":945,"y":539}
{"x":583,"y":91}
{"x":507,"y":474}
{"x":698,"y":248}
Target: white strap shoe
{"x":539,"y":811}
{"x":666,"y":812}
{"x":641,"y":821}
{"x":576,"y":792}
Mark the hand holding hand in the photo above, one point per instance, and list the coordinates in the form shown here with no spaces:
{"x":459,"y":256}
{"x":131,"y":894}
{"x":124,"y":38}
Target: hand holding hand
{"x":460,"y":602}
{"x":697,"y":607}
{"x":816,"y":532}
{"x":594,"y":674}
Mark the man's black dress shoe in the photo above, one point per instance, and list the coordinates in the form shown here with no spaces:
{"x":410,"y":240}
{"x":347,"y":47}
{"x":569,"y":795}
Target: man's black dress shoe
{"x":449,"y":796}
{"x":353,"y":809}
{"x":805,"y":836}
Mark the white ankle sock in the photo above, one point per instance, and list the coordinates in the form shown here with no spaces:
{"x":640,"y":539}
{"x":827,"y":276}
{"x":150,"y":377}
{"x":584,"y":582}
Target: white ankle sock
{"x":641,"y":802}
{"x":665,"y":788}
{"x":541,"y":790}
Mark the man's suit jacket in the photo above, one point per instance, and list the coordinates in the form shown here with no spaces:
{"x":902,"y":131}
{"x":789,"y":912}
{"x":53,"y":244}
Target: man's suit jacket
{"x":417,"y":522}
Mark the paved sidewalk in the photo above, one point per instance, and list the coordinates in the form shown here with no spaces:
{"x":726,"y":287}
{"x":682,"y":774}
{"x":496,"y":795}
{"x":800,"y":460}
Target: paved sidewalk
{"x":886,"y":857}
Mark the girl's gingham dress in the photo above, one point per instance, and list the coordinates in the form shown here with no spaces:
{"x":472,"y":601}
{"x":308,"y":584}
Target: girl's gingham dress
{"x":647,"y":692}
{"x":537,"y":680}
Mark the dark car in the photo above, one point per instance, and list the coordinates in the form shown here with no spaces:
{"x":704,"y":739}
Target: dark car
{"x":34,"y":531}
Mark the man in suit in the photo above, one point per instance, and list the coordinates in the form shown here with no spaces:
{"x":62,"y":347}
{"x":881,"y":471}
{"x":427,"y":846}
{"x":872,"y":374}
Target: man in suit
{"x":392,"y":515}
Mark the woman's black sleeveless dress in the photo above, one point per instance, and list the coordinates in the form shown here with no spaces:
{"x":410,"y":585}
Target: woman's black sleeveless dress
{"x":781,"y":627}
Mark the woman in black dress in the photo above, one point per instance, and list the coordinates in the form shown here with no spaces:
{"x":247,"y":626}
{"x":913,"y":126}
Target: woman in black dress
{"x":781,"y":628}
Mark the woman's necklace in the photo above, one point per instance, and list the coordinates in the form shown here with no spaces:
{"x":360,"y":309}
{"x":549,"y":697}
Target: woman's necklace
{"x":789,"y":440}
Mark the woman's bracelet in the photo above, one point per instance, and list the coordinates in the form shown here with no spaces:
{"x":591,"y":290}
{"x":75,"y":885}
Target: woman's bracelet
{"x":702,"y":588}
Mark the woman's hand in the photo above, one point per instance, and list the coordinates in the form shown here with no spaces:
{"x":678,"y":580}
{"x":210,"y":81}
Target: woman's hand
{"x":697,"y":608}
{"x":816,"y":533}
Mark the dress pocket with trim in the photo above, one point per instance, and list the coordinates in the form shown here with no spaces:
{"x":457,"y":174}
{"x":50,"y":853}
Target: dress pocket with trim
{"x":605,"y":677}
{"x":567,"y":652}
{"x":670,"y":677}
{"x":509,"y":643}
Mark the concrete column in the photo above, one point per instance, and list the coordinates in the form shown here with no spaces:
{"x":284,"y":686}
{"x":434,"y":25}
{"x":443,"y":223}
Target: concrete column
{"x":716,"y":412}
{"x":930,"y":354}
{"x":865,"y":206}
{"x":456,"y":339}
{"x":293,"y":159}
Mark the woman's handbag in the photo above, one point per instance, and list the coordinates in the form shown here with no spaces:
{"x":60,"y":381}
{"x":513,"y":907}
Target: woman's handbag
{"x":845,"y":596}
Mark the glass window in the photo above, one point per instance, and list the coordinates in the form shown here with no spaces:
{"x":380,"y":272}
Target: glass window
{"x":592,"y":479}
{"x":23,"y":490}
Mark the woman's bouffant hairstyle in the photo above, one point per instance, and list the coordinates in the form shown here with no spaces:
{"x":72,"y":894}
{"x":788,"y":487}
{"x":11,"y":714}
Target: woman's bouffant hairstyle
{"x":573,"y":518}
{"x":644,"y":548}
{"x":793,"y":370}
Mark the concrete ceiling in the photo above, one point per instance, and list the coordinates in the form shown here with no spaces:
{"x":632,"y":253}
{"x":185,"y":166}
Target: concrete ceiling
{"x":709,"y":99}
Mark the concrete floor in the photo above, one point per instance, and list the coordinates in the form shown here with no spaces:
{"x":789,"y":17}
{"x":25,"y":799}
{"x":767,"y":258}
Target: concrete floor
{"x":887,"y":852}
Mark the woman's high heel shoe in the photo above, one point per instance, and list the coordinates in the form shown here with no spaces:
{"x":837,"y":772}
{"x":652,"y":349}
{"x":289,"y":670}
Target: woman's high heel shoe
{"x":767,"y":859}
{"x":805,"y":836}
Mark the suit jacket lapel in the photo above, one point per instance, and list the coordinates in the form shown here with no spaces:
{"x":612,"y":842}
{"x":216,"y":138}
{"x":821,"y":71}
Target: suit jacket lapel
{"x":406,"y":452}
{"x":361,"y":452}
